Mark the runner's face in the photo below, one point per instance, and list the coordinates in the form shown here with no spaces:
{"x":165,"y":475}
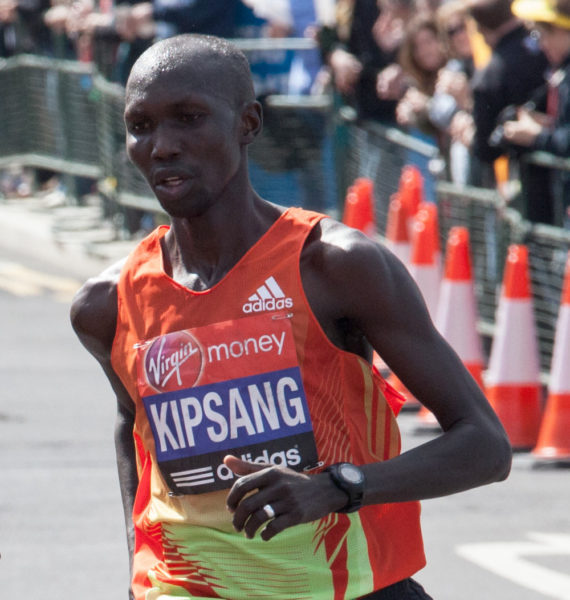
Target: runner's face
{"x":184,"y":136}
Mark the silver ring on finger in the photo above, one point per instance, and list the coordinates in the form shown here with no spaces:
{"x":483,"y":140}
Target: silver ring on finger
{"x":269,"y":511}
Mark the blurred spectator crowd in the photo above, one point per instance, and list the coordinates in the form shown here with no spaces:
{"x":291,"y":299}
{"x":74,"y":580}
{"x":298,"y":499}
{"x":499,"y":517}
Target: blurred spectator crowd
{"x":482,"y":80}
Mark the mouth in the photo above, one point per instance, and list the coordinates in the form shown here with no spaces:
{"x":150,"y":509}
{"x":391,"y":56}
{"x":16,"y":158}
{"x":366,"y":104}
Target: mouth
{"x":170,"y":180}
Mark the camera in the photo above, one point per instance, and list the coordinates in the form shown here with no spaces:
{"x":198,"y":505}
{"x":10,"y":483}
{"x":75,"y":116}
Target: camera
{"x":441,"y":110}
{"x":443,"y":107}
{"x":509,"y":113}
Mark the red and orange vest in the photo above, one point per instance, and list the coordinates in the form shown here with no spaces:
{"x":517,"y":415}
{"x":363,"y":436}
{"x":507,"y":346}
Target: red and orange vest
{"x":245,"y":368}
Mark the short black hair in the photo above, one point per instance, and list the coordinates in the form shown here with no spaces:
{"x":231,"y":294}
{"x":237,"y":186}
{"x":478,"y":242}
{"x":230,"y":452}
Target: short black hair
{"x":490,"y":14}
{"x":175,"y":52}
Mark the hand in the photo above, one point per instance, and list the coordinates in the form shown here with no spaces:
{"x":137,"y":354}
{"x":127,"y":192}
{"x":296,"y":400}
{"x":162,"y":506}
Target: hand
{"x":391,"y":82}
{"x":295,"y":497}
{"x":411,"y":106}
{"x":8,"y":11}
{"x":524,"y":130}
{"x":389,"y":30}
{"x":462,"y":128}
{"x":346,"y":70}
{"x":76,"y":19}
{"x":456,"y":85}
{"x":56,"y":17}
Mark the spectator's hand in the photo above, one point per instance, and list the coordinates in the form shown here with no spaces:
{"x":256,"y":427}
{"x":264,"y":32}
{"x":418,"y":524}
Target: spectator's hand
{"x":8,"y":11}
{"x":56,"y":17}
{"x":462,"y":128}
{"x":391,"y":82}
{"x":524,"y":130}
{"x":95,"y":21}
{"x":295,"y":497}
{"x":456,"y":85}
{"x":77,"y":17}
{"x":125,"y":23}
{"x":411,"y":106}
{"x":142,"y":13}
{"x":388,"y":31}
{"x":346,"y":70}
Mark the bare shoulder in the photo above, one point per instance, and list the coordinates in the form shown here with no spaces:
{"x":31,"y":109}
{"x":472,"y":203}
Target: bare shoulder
{"x":340,"y":245}
{"x":350,"y":261}
{"x":94,"y":312}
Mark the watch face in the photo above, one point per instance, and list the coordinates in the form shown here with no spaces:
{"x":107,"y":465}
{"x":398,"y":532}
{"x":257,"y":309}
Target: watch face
{"x":351,"y":473}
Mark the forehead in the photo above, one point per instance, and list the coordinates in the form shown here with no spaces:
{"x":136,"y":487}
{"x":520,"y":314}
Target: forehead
{"x":169,"y":77}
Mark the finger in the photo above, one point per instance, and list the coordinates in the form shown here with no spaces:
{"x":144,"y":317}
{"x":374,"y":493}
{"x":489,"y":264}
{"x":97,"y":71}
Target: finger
{"x":242,"y":467}
{"x":243,"y":486}
{"x":258,"y":519}
{"x":275,"y":526}
{"x":509,"y":129}
{"x":247,"y":508}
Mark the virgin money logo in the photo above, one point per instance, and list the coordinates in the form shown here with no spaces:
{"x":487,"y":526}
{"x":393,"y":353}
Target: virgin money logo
{"x":173,"y":361}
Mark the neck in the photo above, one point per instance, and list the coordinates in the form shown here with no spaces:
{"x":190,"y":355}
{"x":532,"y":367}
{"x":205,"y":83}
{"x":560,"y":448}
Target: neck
{"x":201,"y":250}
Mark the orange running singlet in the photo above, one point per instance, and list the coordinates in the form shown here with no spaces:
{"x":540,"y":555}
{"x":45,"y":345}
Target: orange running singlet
{"x":245,"y":368}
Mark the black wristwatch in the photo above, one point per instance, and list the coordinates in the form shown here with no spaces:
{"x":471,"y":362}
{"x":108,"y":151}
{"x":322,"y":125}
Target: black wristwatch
{"x":350,"y":479}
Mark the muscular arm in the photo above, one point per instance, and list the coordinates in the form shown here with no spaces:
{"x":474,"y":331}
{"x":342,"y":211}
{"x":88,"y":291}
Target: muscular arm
{"x":94,"y":318}
{"x":383,"y":302}
{"x":349,"y":279}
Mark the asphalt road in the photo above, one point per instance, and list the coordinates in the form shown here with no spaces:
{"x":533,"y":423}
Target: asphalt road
{"x":61,"y":524}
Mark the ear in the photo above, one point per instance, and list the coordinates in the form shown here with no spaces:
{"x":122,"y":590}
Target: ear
{"x":252,"y":122}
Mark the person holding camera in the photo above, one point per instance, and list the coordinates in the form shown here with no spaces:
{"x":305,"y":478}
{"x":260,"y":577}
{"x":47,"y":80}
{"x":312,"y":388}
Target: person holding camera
{"x":513,"y":73}
{"x":549,"y":131}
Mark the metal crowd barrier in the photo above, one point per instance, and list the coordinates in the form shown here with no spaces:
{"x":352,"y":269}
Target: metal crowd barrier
{"x":493,"y":226}
{"x":61,"y":115}
{"x":47,"y":118}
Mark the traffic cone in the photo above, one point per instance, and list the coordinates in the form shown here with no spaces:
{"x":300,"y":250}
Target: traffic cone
{"x":554,"y":433}
{"x":512,"y":380}
{"x":411,"y":190}
{"x":427,"y":212}
{"x":456,"y":316}
{"x":397,"y":232}
{"x":426,"y":274}
{"x":423,"y":260}
{"x":359,"y":207}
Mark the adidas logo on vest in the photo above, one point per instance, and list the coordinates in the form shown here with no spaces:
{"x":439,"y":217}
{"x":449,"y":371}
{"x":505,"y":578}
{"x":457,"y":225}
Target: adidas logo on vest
{"x":268,"y":296}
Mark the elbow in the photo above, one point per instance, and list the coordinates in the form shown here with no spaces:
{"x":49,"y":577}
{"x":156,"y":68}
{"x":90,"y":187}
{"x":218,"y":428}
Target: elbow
{"x":499,"y":455}
{"x":504,"y":459}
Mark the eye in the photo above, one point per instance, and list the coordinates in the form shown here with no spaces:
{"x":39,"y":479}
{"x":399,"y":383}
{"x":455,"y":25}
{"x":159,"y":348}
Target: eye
{"x":191,"y":117}
{"x":138,"y":126}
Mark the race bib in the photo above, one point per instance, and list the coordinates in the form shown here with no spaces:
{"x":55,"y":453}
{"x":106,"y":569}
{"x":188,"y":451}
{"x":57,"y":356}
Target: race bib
{"x":227,"y":388}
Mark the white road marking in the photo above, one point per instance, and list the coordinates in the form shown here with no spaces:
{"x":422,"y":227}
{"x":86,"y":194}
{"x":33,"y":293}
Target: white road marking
{"x":506,"y":559}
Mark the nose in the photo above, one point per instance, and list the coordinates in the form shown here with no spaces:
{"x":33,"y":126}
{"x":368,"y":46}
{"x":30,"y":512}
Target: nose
{"x":165,"y":142}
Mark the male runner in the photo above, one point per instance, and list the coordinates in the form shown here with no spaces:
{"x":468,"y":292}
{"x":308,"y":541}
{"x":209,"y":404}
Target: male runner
{"x":238,"y":343}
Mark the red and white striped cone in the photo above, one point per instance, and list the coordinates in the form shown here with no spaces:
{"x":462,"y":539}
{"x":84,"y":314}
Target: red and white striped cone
{"x":397,"y":240}
{"x":513,"y":377}
{"x":411,"y":191}
{"x":427,"y":275}
{"x":424,"y":266}
{"x":397,"y":232}
{"x":428,"y":213}
{"x":359,"y":207}
{"x":456,"y":316}
{"x":554,"y":434}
